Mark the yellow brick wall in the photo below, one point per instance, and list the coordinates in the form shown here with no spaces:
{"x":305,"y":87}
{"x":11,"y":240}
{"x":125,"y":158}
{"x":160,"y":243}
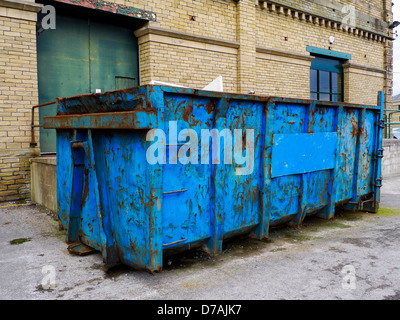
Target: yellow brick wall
{"x":145,"y":66}
{"x":183,"y":64}
{"x":246,"y":52}
{"x":356,"y":82}
{"x":282,"y":79}
{"x":189,"y":66}
{"x":272,"y":29}
{"x":18,"y":93}
{"x":285,"y":79}
{"x":373,"y":8}
{"x":215,"y":19}
{"x":180,"y":62}
{"x":221,"y":13}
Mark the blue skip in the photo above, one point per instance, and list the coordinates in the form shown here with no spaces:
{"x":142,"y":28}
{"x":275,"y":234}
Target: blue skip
{"x":149,"y":169}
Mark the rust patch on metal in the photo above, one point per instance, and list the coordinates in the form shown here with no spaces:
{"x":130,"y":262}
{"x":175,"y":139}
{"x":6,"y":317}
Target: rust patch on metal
{"x":80,"y":249}
{"x":86,"y":190}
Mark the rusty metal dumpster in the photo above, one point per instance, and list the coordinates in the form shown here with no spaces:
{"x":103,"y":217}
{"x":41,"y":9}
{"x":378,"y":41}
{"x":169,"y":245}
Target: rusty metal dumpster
{"x":146,"y":170}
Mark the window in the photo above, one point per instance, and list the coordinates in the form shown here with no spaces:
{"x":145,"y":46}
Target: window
{"x":326,"y":79}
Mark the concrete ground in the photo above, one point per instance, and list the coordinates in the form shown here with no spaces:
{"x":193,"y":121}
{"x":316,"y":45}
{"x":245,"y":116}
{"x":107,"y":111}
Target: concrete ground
{"x":353,"y":256}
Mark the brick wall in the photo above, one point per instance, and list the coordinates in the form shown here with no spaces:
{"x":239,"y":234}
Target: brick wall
{"x":193,"y":67}
{"x":215,"y":18}
{"x":291,"y":34}
{"x":18,"y":93}
{"x":189,"y":61}
{"x":283,"y":76}
{"x":273,"y":27}
{"x":356,"y":79}
{"x":262,"y":46}
{"x":368,"y":13}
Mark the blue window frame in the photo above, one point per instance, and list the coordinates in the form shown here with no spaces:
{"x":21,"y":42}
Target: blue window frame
{"x":326,"y":79}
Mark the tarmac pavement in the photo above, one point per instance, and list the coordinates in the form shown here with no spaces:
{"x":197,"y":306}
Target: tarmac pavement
{"x":353,"y":256}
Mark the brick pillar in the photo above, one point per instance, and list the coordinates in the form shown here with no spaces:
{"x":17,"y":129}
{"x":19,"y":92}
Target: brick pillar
{"x":246,"y":28}
{"x":18,"y":93}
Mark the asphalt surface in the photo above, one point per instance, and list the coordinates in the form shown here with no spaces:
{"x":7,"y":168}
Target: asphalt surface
{"x":355,"y":256}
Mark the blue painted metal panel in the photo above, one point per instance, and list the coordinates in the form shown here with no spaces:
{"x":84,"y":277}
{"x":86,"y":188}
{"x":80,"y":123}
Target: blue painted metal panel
{"x":324,"y":64}
{"x":346,"y":159}
{"x":303,"y":152}
{"x":186,"y":187}
{"x":306,"y":158}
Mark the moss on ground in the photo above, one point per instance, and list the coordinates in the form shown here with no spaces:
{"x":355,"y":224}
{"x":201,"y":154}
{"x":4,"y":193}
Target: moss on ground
{"x":20,"y":240}
{"x":390,"y":212}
